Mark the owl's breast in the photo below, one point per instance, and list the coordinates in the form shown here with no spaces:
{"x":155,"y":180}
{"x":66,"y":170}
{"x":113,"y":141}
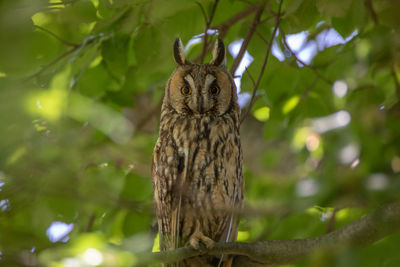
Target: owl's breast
{"x":198,"y":168}
{"x":209,"y":148}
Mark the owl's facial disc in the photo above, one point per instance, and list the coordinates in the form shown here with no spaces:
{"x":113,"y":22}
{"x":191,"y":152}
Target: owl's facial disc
{"x":201,"y":100}
{"x":201,"y":89}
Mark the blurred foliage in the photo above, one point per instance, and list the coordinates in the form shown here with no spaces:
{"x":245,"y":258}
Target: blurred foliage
{"x":80,"y":85}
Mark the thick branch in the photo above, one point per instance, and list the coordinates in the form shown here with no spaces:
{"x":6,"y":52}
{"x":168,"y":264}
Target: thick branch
{"x":362,"y":232}
{"x":252,"y":99}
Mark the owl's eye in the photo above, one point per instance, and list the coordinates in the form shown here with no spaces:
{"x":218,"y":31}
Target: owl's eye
{"x":186,"y":90}
{"x":214,"y":90}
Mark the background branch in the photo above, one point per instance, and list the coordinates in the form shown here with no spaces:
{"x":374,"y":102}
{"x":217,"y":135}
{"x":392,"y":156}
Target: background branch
{"x":319,"y":75}
{"x":362,"y":232}
{"x":57,"y":37}
{"x":74,"y":48}
{"x":208,"y":24}
{"x":369,"y":6}
{"x":246,"y":40}
{"x":224,"y":27}
{"x":252,"y":99}
{"x":396,"y":81}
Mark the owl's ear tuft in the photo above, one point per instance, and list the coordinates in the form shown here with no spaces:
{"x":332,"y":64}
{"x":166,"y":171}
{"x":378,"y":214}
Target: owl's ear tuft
{"x":218,"y":53}
{"x":179,"y":54}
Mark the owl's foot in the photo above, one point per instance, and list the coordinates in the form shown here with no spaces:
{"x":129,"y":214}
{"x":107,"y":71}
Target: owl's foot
{"x":198,"y":238}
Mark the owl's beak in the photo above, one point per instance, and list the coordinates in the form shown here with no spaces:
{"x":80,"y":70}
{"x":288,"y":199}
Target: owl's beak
{"x":200,"y":104}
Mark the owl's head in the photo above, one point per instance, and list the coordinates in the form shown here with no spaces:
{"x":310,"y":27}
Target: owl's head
{"x":201,"y":88}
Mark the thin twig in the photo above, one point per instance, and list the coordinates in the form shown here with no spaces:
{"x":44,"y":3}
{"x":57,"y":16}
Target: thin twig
{"x":57,"y":37}
{"x":214,"y":7}
{"x":330,"y":226}
{"x":262,"y":37}
{"x":246,"y":40}
{"x":60,"y":57}
{"x":319,"y":75}
{"x":251,"y":78}
{"x":252,"y":100}
{"x":369,"y":6}
{"x":53,"y":62}
{"x":266,"y":20}
{"x":202,"y":12}
{"x":91,"y":220}
{"x":208,"y":25}
{"x":225,"y":26}
{"x":396,"y":81}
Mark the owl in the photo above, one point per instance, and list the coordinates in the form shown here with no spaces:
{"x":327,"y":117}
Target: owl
{"x":197,"y":160}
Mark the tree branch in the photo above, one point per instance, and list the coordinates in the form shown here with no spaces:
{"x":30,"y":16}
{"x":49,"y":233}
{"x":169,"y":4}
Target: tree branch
{"x":369,"y":6}
{"x":396,"y":81}
{"x":74,"y":48}
{"x":319,"y":75}
{"x":252,"y":100}
{"x":53,"y":62}
{"x":362,"y":232}
{"x":246,"y":40}
{"x":57,"y":37}
{"x":224,"y":27}
{"x":208,"y":25}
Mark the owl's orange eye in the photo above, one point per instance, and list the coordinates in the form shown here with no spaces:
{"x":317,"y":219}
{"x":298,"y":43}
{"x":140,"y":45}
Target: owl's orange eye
{"x":186,"y":90}
{"x":214,"y":90}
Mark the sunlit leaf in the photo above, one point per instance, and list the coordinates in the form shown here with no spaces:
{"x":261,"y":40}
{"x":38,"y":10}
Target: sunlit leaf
{"x":290,"y":104}
{"x":262,"y":114}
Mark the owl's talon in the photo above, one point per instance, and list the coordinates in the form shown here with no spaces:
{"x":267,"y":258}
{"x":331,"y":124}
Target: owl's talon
{"x":198,"y":238}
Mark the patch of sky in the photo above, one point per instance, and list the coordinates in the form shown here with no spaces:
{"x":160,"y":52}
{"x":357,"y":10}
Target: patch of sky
{"x":305,"y":49}
{"x":198,"y":38}
{"x":58,"y":231}
{"x":234,"y":49}
{"x":4,"y":204}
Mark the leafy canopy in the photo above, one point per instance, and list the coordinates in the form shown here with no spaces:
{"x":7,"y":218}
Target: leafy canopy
{"x":80,"y":87}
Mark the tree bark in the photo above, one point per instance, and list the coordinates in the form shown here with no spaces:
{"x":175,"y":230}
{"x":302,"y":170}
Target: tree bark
{"x":362,"y":232}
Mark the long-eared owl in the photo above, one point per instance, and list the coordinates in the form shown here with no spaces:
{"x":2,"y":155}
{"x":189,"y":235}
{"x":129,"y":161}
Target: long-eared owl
{"x":197,"y":160}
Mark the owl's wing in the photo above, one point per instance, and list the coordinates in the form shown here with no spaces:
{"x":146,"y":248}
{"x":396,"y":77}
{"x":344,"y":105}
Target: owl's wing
{"x":230,"y":232}
{"x":162,"y":202}
{"x":167,"y":197}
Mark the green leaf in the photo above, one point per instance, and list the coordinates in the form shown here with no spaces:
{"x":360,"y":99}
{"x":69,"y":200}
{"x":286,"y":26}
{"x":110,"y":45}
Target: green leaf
{"x":135,"y":223}
{"x":305,"y":16}
{"x":137,"y":188}
{"x":356,"y":18}
{"x":115,"y":54}
{"x":94,"y":81}
{"x":336,"y":8}
{"x":290,"y":6}
{"x":386,"y":12}
{"x":109,"y":23}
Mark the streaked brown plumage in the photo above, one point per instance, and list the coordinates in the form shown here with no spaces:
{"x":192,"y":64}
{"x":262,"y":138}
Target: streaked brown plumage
{"x":197,"y":161}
